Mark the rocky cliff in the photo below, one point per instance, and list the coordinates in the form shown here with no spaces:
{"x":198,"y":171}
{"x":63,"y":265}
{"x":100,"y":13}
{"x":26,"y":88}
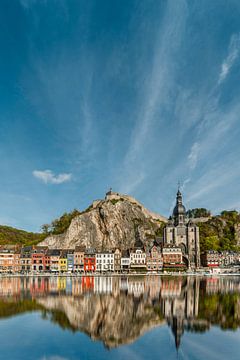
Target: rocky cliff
{"x":117,"y":221}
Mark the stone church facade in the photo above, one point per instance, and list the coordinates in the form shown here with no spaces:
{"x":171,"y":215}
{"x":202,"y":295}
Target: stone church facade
{"x":182,"y":232}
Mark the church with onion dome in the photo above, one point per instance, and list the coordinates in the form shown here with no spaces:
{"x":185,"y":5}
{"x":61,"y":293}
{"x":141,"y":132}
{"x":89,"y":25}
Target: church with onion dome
{"x":183,"y":233}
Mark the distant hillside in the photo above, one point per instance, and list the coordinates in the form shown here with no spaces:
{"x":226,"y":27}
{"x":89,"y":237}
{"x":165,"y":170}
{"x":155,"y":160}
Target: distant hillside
{"x":220,"y":232}
{"x":10,"y":235}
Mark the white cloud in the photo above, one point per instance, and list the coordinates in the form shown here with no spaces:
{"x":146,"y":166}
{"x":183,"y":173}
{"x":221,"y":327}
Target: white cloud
{"x":193,"y":155}
{"x":48,"y":177}
{"x":233,"y":53}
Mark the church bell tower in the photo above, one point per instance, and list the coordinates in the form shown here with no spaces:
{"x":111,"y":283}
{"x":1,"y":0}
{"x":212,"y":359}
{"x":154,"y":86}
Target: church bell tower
{"x":179,"y":211}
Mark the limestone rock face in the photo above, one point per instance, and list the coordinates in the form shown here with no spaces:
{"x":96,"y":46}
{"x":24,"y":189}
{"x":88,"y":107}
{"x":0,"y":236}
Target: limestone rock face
{"x":118,"y":221}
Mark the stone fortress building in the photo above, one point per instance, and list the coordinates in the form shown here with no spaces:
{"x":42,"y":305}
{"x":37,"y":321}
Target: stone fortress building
{"x":180,"y":232}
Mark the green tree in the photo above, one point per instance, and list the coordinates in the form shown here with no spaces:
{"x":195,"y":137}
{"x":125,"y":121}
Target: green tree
{"x":58,"y":226}
{"x":231,"y":215}
{"x":211,"y":243}
{"x":198,"y":213}
{"x":46,"y":228}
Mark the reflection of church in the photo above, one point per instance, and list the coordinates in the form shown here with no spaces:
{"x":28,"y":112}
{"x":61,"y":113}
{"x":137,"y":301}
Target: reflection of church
{"x":180,"y":305}
{"x":183,"y":233}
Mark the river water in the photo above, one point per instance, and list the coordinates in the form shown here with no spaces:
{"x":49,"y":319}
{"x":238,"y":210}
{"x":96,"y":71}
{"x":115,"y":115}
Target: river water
{"x":139,"y":318}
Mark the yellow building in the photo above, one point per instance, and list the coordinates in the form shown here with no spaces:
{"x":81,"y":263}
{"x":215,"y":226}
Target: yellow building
{"x":62,"y":263}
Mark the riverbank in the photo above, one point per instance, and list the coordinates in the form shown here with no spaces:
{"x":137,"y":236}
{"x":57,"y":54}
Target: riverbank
{"x":198,"y":274}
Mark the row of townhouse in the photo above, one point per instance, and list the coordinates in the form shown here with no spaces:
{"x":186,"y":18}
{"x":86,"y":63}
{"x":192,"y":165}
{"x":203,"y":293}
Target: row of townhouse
{"x":213,"y":258}
{"x":15,"y":259}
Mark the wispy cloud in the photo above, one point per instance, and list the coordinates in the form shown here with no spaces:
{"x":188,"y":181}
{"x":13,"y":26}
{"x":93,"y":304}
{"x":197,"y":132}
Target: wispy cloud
{"x":218,"y":177}
{"x":233,"y":53}
{"x":156,"y":92}
{"x":160,"y":79}
{"x":48,"y":177}
{"x":193,"y":155}
{"x":132,"y":183}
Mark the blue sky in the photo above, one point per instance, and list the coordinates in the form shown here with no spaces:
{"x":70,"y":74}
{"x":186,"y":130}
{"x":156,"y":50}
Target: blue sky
{"x":130,"y":94}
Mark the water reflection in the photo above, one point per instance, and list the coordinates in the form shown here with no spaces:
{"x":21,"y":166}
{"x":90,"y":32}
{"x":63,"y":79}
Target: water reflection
{"x":117,"y":310}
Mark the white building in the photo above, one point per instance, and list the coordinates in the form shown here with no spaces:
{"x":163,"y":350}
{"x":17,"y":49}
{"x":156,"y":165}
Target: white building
{"x":105,"y":261}
{"x":137,"y":258}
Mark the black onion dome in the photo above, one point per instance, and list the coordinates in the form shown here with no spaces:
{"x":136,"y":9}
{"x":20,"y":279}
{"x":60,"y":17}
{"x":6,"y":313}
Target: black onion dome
{"x":179,"y":210}
{"x":179,"y":207}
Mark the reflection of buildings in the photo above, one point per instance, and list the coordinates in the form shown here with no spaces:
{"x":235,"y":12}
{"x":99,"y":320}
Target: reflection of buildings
{"x":10,"y":287}
{"x":180,"y":304}
{"x":136,"y":287}
{"x":152,"y":287}
{"x":87,"y":283}
{"x":103,"y":285}
{"x":173,"y":292}
{"x":39,"y":286}
{"x":117,"y":310}
{"x":214,"y":285}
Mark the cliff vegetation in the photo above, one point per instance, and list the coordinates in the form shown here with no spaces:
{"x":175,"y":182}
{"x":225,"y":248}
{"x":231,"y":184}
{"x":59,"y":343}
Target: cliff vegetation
{"x":220,"y":232}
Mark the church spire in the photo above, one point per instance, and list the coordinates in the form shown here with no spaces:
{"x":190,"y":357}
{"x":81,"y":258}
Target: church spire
{"x":179,"y":211}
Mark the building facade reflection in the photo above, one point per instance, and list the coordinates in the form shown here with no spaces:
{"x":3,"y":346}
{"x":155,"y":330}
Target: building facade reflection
{"x":117,"y":310}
